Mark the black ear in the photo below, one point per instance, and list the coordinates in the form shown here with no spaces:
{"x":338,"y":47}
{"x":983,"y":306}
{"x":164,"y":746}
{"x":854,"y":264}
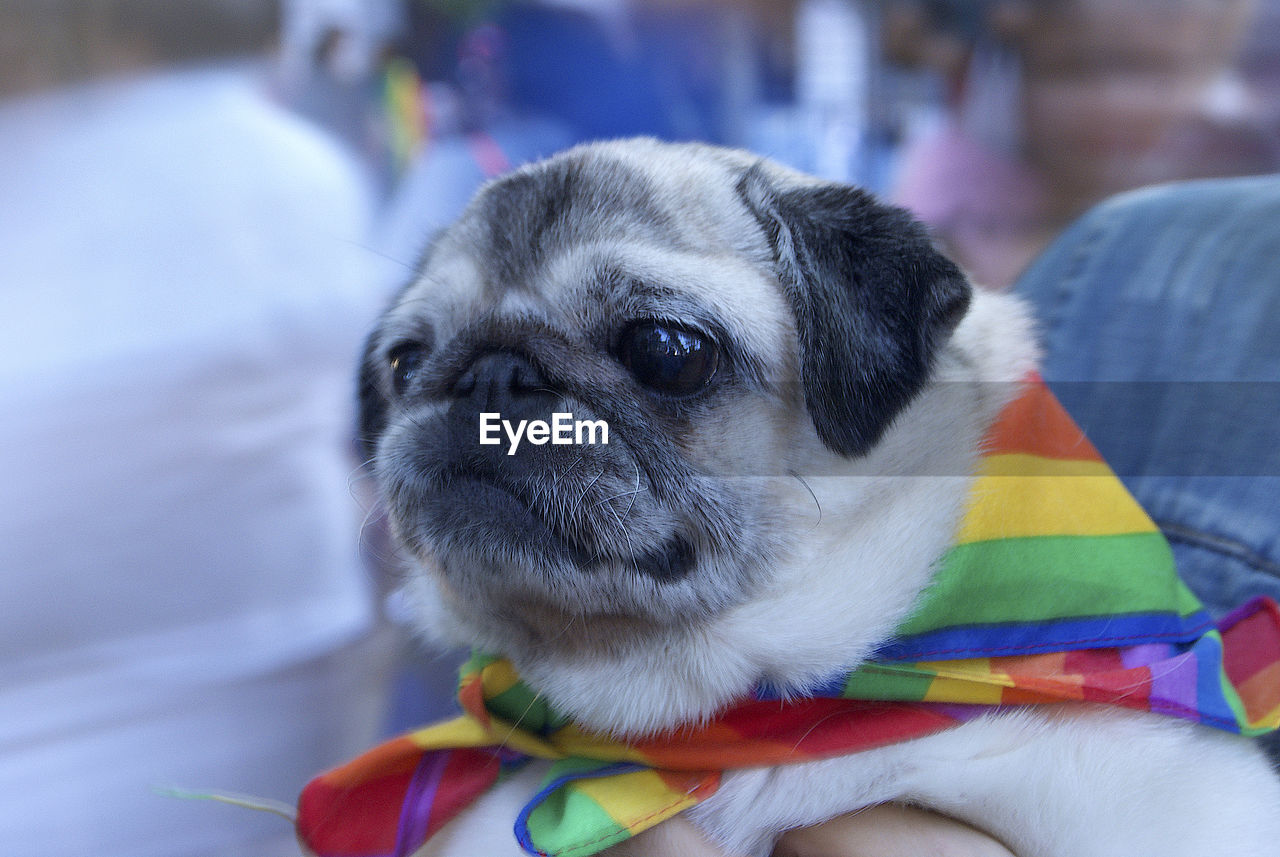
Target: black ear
{"x":371,"y":402}
{"x":872,"y":297}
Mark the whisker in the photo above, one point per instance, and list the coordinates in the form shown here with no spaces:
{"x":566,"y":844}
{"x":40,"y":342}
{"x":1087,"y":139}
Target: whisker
{"x":634,"y":493}
{"x":585,"y":491}
{"x":800,"y":479}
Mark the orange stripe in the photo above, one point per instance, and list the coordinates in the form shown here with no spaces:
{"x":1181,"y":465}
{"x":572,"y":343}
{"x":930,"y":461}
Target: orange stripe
{"x":1260,"y":693}
{"x":1035,"y":424}
{"x":697,"y":784}
{"x":1042,"y":688}
{"x":398,"y":756}
{"x":1033,"y":696}
{"x":1049,"y":664}
{"x":724,"y":751}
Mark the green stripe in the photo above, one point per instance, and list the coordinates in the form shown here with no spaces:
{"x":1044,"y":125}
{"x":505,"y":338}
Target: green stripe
{"x":518,"y":703}
{"x":897,"y":683}
{"x":528,"y":710}
{"x":566,"y":820}
{"x":1044,"y":578}
{"x":476,"y":662}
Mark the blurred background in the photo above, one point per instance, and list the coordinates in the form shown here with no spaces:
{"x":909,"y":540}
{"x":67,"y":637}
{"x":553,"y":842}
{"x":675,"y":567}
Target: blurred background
{"x":997,"y":121}
{"x":204,"y":204}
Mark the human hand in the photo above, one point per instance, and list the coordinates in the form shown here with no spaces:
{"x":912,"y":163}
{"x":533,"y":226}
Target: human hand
{"x":676,"y":837}
{"x":889,"y":830}
{"x":886,"y":830}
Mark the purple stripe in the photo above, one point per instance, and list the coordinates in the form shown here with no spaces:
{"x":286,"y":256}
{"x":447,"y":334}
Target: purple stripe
{"x":1244,"y":611}
{"x":1173,"y":685}
{"x":962,"y":712}
{"x":415,"y":812}
{"x":1145,"y":655}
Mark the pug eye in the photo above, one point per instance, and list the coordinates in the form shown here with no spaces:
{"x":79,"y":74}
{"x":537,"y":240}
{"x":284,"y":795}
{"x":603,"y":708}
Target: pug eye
{"x":405,"y":361}
{"x":669,"y":359}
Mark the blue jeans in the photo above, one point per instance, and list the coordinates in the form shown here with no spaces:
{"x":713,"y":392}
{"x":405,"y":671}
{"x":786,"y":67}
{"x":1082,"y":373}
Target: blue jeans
{"x":1160,"y":314}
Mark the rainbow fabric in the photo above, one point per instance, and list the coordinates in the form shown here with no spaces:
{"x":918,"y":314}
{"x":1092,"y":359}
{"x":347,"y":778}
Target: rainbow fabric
{"x":1059,"y":589}
{"x":403,"y":105}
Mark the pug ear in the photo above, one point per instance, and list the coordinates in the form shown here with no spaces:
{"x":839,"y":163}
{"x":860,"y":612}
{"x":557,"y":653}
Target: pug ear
{"x":873,"y":301}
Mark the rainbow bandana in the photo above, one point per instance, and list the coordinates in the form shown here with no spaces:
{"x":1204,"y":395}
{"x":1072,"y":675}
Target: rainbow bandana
{"x":1058,"y":590}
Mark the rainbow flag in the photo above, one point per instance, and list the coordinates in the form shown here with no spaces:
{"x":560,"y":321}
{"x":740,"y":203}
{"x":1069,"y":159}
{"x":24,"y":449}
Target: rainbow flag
{"x":1059,"y":590}
{"x":403,"y":98}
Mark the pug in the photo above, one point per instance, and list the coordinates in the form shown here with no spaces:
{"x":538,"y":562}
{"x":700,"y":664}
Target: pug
{"x":795,"y":384}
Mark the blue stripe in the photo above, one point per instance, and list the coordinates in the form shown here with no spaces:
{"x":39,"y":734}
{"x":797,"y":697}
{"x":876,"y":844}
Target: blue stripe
{"x":832,"y":688}
{"x":1035,"y":638}
{"x":1212,"y":705}
{"x":548,"y":788}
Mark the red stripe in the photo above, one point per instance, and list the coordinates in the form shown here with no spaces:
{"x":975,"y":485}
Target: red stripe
{"x":1092,"y":661}
{"x":469,"y":774}
{"x":351,"y":821}
{"x":397,"y":756}
{"x":1250,"y":643}
{"x":771,"y":732}
{"x":471,"y":697}
{"x":1130,"y":688}
{"x":357,"y":813}
{"x":1036,"y":424}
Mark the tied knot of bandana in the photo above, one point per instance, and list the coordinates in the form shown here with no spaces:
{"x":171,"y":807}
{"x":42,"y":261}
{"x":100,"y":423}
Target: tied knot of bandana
{"x":1059,"y":589}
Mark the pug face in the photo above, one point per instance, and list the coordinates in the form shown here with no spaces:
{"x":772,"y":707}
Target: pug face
{"x":745,"y":332}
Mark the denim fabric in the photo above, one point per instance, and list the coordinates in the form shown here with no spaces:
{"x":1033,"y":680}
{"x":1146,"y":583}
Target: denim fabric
{"x":1160,"y":317}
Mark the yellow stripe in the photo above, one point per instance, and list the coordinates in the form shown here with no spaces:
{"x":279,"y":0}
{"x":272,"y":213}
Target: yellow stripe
{"x":573,"y":741}
{"x":1026,"y":464}
{"x":466,"y":731}
{"x":966,"y":681}
{"x":463,"y":731}
{"x":1008,"y":507}
{"x":569,"y":740}
{"x":637,"y":800}
{"x":498,"y":677}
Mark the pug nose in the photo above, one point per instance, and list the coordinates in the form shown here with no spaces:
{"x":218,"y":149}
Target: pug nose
{"x":497,"y":381}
